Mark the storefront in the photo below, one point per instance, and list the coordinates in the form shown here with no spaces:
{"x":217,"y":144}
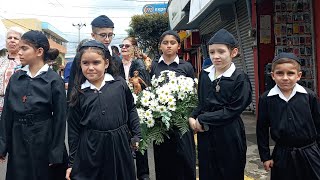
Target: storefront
{"x":288,"y":26}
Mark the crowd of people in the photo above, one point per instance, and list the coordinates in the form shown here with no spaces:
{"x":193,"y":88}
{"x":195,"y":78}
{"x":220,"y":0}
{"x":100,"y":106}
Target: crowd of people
{"x":103,"y":124}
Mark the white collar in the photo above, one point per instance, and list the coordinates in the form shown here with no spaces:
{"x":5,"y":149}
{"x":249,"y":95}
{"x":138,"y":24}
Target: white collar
{"x":176,"y":59}
{"x":107,"y":77}
{"x":212,"y":70}
{"x":44,"y":68}
{"x":276,"y":91}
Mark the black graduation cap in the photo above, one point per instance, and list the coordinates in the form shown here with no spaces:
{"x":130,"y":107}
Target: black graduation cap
{"x":223,"y":37}
{"x":286,"y":55}
{"x":102,"y":21}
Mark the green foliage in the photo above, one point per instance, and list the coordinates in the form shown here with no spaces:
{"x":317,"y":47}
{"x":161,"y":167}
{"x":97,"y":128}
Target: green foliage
{"x":148,"y":28}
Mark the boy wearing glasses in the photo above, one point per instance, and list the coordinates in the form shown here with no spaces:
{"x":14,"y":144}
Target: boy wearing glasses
{"x":102,"y":30}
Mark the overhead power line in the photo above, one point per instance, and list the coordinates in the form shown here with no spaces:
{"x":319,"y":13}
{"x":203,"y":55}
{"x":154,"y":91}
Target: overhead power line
{"x":57,"y":16}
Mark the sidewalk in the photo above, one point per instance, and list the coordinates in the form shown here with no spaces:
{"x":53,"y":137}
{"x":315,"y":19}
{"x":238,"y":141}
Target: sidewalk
{"x":254,"y":168}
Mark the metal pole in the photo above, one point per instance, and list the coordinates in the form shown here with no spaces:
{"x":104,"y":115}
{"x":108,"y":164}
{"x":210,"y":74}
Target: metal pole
{"x":79,"y":26}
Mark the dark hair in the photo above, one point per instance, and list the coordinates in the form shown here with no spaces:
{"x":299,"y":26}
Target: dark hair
{"x":37,"y":39}
{"x":170,"y":32}
{"x":79,"y":78}
{"x":285,"y":60}
{"x":116,"y":49}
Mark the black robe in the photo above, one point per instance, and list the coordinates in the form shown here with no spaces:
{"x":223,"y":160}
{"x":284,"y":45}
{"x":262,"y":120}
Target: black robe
{"x":295,"y":128}
{"x":222,"y":149}
{"x":99,"y":131}
{"x":175,"y":158}
{"x":32,"y":128}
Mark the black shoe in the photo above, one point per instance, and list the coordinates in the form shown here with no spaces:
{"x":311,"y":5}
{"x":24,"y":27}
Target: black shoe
{"x":146,"y":178}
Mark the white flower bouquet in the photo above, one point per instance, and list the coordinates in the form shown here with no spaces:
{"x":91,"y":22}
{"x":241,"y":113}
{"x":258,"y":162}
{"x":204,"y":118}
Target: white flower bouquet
{"x":165,"y":105}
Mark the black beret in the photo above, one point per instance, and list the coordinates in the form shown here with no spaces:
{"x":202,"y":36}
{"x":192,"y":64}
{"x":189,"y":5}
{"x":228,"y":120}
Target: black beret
{"x":223,"y":37}
{"x":102,"y":22}
{"x":98,"y":44}
{"x":286,"y":55}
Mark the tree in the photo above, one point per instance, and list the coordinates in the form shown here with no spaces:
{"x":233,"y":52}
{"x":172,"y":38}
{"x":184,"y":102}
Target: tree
{"x":147,"y":28}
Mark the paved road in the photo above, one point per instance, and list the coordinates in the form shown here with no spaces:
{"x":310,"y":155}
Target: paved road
{"x":254,"y":169}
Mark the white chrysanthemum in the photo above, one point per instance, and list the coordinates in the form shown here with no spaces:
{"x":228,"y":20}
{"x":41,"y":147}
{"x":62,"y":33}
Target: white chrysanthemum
{"x":150,"y":123}
{"x":141,"y":113}
{"x":162,"y":98}
{"x":171,"y":99}
{"x":161,"y":109}
{"x":196,"y":80}
{"x":172,"y":106}
{"x":148,"y":114}
{"x":144,"y":101}
{"x":171,"y":75}
{"x":153,"y":104}
{"x":181,"y":96}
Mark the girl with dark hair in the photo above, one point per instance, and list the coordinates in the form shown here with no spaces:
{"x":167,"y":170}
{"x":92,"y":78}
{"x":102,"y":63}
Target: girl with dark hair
{"x":32,"y":126}
{"x":102,"y":117}
{"x":175,"y":157}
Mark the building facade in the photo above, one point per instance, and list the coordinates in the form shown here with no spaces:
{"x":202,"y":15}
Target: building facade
{"x":263,"y":28}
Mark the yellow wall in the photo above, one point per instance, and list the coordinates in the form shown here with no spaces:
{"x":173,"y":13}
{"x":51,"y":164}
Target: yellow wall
{"x":26,"y":24}
{"x":33,"y":24}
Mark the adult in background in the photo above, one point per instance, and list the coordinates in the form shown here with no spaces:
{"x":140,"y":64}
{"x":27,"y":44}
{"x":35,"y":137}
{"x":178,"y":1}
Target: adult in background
{"x":10,"y":60}
{"x":130,"y":63}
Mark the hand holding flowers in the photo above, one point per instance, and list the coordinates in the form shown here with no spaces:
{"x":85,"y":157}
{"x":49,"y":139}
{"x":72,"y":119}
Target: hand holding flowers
{"x":164,"y":106}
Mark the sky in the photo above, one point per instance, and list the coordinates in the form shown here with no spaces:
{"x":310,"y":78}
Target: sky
{"x":63,"y":13}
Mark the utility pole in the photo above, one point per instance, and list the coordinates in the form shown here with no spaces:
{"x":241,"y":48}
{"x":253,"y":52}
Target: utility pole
{"x":79,"y":26}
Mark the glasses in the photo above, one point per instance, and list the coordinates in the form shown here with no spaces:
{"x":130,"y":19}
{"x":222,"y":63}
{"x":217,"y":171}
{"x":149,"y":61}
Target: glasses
{"x":124,"y":45}
{"x":103,"y":35}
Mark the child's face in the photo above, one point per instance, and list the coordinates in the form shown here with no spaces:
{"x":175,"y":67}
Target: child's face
{"x":286,"y":76}
{"x":136,"y":73}
{"x":104,"y":35}
{"x":221,"y":56}
{"x":169,"y":45}
{"x":93,"y":66}
{"x":28,"y":54}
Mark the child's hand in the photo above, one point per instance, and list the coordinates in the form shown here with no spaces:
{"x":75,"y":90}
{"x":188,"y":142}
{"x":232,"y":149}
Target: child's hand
{"x":68,"y":172}
{"x":268,"y":165}
{"x":192,"y":123}
{"x":135,"y":143}
{"x":2,"y":159}
{"x":199,"y":126}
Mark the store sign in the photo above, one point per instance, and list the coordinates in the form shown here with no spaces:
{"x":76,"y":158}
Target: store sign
{"x":154,"y":8}
{"x":198,"y":6}
{"x":175,"y":12}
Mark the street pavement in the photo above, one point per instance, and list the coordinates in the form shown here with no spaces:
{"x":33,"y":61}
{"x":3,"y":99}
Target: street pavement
{"x":254,"y":168}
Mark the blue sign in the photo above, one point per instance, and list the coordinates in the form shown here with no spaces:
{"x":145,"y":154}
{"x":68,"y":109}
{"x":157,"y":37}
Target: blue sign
{"x":154,"y":8}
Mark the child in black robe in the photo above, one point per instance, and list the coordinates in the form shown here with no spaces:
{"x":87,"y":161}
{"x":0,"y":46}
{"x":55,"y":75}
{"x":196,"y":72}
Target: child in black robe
{"x":175,"y":157}
{"x":32,"y":127}
{"x":102,"y":118}
{"x":291,"y":113}
{"x":223,"y":92}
